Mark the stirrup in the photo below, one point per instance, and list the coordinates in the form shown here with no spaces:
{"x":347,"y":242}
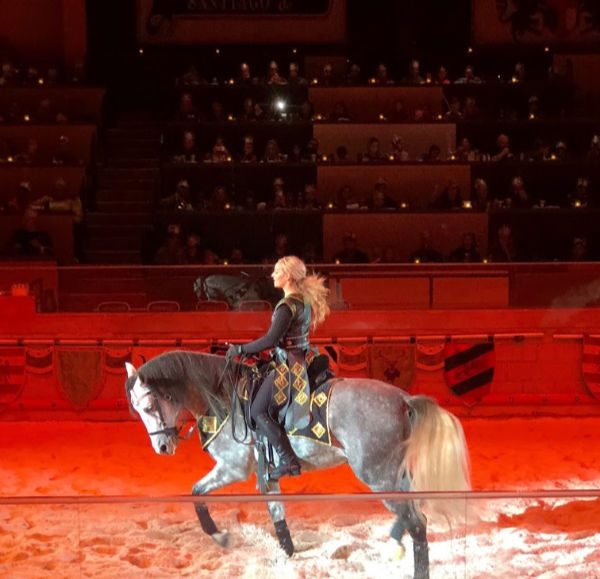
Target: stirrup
{"x":291,"y":468}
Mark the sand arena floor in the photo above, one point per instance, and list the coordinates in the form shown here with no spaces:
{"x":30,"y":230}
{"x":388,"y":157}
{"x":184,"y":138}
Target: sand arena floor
{"x":545,"y":538}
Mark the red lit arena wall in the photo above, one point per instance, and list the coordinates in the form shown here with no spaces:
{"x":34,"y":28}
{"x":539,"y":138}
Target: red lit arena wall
{"x":72,"y":365}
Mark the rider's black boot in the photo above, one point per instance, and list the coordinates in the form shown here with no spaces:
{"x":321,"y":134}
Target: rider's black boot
{"x":289,"y":465}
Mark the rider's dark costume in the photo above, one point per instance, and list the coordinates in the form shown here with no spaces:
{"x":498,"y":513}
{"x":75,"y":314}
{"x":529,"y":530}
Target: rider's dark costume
{"x":286,"y":385}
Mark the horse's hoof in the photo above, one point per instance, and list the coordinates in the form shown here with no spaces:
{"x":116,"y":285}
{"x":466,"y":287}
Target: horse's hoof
{"x":224,"y":539}
{"x":400,"y":552}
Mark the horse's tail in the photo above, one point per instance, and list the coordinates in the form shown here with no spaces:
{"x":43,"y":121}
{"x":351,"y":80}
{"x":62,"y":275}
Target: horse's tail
{"x":436,"y":456}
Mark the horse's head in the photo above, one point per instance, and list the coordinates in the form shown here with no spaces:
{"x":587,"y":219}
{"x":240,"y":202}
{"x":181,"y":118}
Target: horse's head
{"x":158,"y":412}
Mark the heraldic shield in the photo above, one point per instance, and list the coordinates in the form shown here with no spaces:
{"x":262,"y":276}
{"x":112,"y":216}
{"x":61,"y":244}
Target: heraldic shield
{"x":12,"y":374}
{"x":590,"y":364}
{"x":79,"y":374}
{"x":469,"y":370}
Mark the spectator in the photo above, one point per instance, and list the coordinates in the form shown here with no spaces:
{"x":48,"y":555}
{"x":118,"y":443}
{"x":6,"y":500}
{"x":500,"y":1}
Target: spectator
{"x":434,"y":155}
{"x":187,"y":110}
{"x":306,"y":112}
{"x":520,"y":198}
{"x":247,"y":113}
{"x":399,"y":153}
{"x":353,"y":77}
{"x":219,"y":152}
{"x":581,"y":196}
{"x":425,"y":253}
{"x":259,"y":113}
{"x":294,"y":78}
{"x":210,"y":257}
{"x":280,"y":249}
{"x":519,"y":72}
{"x":441,"y":76}
{"x":350,"y":252}
{"x":503,"y":149}
{"x":180,"y":200}
{"x":562,"y":152}
{"x":381,"y":75}
{"x":193,"y":253}
{"x":188,"y":153}
{"x":469,"y":77}
{"x":217,"y":113}
{"x":449,"y":199}
{"x":273,"y":76}
{"x":236,"y":257}
{"x":219,"y":199}
{"x":593,"y":153}
{"x":327,"y":75}
{"x":272,"y":153}
{"x":480,"y":201}
{"x":414,"y":74}
{"x":296,"y":154}
{"x":373,"y":153}
{"x":533,"y":108}
{"x":471,"y":111}
{"x":467,"y":251}
{"x":248,"y":155}
{"x":192,"y":77}
{"x":280,"y":197}
{"x":341,"y":156}
{"x":249,"y":203}
{"x":171,"y":252}
{"x":340,"y":113}
{"x":579,"y":251}
{"x":28,"y":239}
{"x":399,"y":114}
{"x":311,"y":152}
{"x":245,"y":78}
{"x":309,"y":201}
{"x":31,"y":155}
{"x":502,"y":248}
{"x":345,"y":200}
{"x":454,"y":113}
{"x":464,"y":151}
{"x":541,"y":152}
{"x":379,"y":200}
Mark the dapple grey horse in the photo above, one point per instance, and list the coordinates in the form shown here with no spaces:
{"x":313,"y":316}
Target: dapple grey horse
{"x":391,"y":440}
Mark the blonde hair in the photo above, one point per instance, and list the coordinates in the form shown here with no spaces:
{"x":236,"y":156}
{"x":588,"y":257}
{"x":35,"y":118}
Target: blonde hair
{"x":310,"y":286}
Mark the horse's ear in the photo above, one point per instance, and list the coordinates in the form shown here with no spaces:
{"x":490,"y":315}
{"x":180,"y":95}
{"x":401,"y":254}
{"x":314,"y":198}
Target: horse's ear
{"x":131,"y":371}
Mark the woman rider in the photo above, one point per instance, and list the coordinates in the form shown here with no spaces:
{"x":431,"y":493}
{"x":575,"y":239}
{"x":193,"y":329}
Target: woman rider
{"x":304,"y":305}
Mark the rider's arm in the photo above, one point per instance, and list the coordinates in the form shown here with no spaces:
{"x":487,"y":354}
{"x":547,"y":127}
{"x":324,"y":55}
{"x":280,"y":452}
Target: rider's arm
{"x":279,"y":326}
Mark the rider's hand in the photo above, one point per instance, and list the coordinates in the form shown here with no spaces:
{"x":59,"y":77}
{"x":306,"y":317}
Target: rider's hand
{"x":234,"y":351}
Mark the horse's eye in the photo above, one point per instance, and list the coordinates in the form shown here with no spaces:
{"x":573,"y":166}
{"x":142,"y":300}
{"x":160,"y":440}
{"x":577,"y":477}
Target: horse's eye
{"x":168,"y":397}
{"x":149,"y":409}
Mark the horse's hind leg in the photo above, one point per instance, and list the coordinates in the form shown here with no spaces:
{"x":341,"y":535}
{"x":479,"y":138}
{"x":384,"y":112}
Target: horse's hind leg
{"x":277,"y":512}
{"x":409,"y":519}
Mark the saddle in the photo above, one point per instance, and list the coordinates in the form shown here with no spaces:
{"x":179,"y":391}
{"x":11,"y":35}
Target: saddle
{"x":318,"y":372}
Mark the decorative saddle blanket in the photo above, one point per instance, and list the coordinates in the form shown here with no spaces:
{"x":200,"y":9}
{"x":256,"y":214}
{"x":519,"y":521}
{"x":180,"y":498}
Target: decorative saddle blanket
{"x":318,"y":428}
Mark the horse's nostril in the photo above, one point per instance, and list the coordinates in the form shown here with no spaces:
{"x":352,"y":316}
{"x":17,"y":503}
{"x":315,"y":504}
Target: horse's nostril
{"x":163,"y":448}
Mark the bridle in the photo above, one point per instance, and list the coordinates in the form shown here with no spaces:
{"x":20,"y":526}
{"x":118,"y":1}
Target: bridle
{"x":170,"y":431}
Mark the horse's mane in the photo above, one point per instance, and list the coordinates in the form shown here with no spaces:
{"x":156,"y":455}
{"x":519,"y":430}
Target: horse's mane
{"x":180,"y":373}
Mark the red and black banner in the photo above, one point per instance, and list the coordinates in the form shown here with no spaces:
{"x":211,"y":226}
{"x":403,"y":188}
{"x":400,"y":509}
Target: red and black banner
{"x":469,"y":369}
{"x":590,"y":364}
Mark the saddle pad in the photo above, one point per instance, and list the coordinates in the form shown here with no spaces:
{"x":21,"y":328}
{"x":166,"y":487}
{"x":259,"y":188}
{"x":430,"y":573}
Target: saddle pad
{"x":318,"y":427}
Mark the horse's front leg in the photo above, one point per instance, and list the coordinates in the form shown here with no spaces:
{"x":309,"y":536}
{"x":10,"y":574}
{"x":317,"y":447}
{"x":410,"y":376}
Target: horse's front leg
{"x":277,"y":512}
{"x":221,"y":475}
